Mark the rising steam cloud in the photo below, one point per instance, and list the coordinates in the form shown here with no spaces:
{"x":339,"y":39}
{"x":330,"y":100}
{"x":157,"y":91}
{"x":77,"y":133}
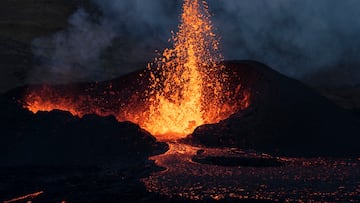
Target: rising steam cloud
{"x":73,"y":54}
{"x":301,"y":39}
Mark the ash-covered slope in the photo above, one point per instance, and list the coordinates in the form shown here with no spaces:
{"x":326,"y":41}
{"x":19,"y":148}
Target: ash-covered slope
{"x":284,"y":118}
{"x":57,"y":138}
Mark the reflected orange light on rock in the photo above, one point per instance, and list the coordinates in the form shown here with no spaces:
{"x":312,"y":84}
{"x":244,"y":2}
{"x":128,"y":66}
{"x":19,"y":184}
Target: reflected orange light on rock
{"x":187,"y":87}
{"x":25,"y":197}
{"x":42,"y":100}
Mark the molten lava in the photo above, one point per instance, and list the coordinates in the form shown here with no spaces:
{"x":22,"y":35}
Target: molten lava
{"x":190,"y":77}
{"x":187,"y":86}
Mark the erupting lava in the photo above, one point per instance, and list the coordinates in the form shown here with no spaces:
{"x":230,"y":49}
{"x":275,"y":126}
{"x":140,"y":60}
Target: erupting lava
{"x":186,"y":86}
{"x":189,"y":75}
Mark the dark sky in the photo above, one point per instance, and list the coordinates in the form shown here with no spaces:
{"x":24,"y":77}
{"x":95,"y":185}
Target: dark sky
{"x":315,"y":41}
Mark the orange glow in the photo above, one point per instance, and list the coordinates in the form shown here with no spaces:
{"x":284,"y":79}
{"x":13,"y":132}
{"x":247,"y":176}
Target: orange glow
{"x":42,"y":101}
{"x":190,"y":75}
{"x":185,"y":87}
{"x":25,"y":197}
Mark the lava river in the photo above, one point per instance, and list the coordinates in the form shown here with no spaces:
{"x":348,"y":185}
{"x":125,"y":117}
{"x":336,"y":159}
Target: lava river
{"x":295,"y":180}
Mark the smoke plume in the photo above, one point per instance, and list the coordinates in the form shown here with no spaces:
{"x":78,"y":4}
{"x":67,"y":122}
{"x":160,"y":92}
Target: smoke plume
{"x":302,"y":39}
{"x":73,"y":54}
{"x":298,"y":38}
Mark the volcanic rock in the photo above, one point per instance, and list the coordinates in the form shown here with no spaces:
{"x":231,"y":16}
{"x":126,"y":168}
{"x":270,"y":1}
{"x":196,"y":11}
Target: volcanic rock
{"x":57,"y":138}
{"x":237,"y":161}
{"x":235,"y":157}
{"x":285,"y":117}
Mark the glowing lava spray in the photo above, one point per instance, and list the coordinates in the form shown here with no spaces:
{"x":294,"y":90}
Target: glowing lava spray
{"x":187,"y":80}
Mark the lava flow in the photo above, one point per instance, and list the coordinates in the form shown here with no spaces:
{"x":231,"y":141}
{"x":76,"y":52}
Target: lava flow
{"x":187,"y":86}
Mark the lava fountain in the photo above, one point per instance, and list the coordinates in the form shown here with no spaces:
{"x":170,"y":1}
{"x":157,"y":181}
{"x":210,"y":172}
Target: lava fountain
{"x":189,"y":75}
{"x":186,"y":86}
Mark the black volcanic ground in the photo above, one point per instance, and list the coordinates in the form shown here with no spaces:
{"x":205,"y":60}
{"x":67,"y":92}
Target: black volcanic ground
{"x":285,"y":118}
